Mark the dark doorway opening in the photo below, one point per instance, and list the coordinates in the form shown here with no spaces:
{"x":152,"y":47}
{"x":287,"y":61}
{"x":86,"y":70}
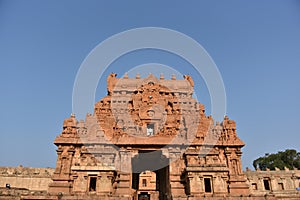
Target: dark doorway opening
{"x":156,"y":162}
{"x":135,"y":180}
{"x":144,"y":196}
{"x":267,"y":184}
{"x":207,"y":185}
{"x":163,"y":183}
{"x":93,"y":184}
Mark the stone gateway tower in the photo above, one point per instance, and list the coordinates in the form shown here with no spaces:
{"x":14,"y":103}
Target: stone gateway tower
{"x":148,"y":139}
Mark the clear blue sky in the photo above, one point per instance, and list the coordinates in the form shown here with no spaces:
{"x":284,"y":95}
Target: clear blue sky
{"x":255,"y":44}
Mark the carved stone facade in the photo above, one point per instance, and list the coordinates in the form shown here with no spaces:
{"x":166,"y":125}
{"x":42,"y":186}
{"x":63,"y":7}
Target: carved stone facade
{"x":150,"y":139}
{"x":152,"y":125}
{"x":280,"y":183}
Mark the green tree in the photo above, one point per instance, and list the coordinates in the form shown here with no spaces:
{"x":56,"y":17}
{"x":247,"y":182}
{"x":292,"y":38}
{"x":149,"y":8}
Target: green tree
{"x":289,"y":158}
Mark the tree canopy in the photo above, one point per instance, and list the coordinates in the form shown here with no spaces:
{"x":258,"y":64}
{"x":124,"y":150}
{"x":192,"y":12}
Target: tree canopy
{"x":289,"y":158}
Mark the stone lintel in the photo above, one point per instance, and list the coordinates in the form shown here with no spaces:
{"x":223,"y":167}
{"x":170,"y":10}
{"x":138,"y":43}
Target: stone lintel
{"x":93,"y":168}
{"x":207,"y":169}
{"x":64,"y":140}
{"x":34,"y":197}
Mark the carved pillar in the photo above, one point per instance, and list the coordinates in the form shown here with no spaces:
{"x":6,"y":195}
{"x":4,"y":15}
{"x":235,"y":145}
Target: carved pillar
{"x":105,"y":183}
{"x":124,"y":175}
{"x":176,"y":169}
{"x":237,"y":180}
{"x":62,"y":178}
{"x":68,"y":163}
{"x":195,"y":184}
{"x":238,"y":153}
{"x":219,"y":185}
{"x":273,"y":183}
{"x":80,"y":183}
{"x":58,"y":162}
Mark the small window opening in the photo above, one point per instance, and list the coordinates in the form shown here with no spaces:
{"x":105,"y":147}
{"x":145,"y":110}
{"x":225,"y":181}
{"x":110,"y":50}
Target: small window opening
{"x":150,"y":129}
{"x":93,"y":183}
{"x":144,"y":183}
{"x":254,"y":186}
{"x":267,"y":184}
{"x":207,"y":184}
{"x":280,"y":186}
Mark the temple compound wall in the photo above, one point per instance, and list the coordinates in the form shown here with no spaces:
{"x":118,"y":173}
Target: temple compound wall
{"x":16,"y":182}
{"x":280,"y":183}
{"x":149,"y":138}
{"x":26,"y":183}
{"x":26,"y":178}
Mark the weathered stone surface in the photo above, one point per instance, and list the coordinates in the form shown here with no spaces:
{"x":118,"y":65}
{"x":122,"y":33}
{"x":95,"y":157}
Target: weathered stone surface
{"x":26,"y":178}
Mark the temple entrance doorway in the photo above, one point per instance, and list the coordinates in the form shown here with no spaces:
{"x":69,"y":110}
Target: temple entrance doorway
{"x":150,"y":175}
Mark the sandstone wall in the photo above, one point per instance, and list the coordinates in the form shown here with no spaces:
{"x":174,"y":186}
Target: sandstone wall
{"x":26,"y":178}
{"x":281,"y":183}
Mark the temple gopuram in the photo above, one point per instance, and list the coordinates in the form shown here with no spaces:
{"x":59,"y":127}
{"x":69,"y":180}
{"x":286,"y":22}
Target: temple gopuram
{"x":152,"y":125}
{"x":150,"y":139}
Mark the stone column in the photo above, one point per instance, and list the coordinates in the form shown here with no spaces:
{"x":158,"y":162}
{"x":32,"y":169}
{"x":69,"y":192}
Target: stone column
{"x":104,"y":183}
{"x":175,"y":170}
{"x":124,"y":174}
{"x":237,"y":180}
{"x":80,"y":183}
{"x":58,"y":162}
{"x":219,"y":185}
{"x":260,"y":184}
{"x":195,"y":184}
{"x":273,"y":184}
{"x":62,"y":180}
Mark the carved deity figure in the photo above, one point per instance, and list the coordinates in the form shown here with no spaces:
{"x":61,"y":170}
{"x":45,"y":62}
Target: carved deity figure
{"x":234,"y":166}
{"x":222,"y":157}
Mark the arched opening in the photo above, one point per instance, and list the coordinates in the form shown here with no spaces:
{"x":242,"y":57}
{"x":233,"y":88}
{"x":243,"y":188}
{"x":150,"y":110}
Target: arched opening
{"x":150,"y":173}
